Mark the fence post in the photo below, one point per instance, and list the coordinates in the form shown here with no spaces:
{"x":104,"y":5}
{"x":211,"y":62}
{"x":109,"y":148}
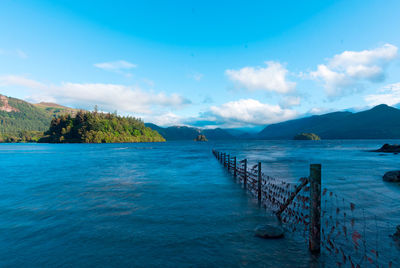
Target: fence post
{"x":229,"y":161}
{"x":234,"y":166}
{"x":245,"y":173}
{"x":224,"y":159}
{"x":259,"y":183}
{"x":315,"y":208}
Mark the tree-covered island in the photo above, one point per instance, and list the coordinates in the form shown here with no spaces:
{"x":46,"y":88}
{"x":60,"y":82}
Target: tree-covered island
{"x":307,"y":136}
{"x":95,"y":127}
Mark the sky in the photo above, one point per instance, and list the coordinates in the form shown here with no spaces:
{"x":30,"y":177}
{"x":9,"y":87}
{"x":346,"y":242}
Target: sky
{"x":229,"y":64}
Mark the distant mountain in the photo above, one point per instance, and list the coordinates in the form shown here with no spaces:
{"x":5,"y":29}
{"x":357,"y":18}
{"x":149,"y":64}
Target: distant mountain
{"x":380,"y":122}
{"x":243,"y":132}
{"x":190,"y":133}
{"x":218,"y":134}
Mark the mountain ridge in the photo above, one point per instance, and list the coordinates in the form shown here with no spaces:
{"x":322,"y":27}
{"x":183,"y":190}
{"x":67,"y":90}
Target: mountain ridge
{"x":175,"y":133}
{"x":379,"y":122}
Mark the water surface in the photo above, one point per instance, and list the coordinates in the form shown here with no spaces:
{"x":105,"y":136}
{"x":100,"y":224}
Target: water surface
{"x":167,"y":204}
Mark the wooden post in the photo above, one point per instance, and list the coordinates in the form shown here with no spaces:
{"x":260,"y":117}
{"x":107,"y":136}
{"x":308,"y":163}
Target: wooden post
{"x":315,"y":208}
{"x":291,"y":197}
{"x":229,"y":162}
{"x":259,"y":183}
{"x":245,"y":173}
{"x":234,"y":166}
{"x":224,"y":159}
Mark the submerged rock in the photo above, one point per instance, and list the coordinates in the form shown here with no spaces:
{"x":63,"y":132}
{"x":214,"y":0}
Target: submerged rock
{"x":392,"y":176}
{"x":389,"y":148}
{"x":396,"y":235}
{"x":269,"y":231}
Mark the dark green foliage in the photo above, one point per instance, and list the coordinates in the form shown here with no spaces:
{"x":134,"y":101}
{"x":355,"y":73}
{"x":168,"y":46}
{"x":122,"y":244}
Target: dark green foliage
{"x":94,"y":127}
{"x":21,"y":136}
{"x":307,"y":136}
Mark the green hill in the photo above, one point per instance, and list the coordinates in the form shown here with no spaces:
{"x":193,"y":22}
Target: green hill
{"x":17,"y":115}
{"x":55,"y":110}
{"x":21,"y":121}
{"x":93,"y":127}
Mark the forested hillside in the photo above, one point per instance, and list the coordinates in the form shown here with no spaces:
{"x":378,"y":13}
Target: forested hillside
{"x":17,"y":115}
{"x":93,"y":127}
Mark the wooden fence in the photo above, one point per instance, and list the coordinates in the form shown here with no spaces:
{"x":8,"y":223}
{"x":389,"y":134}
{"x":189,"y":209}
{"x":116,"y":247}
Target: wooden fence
{"x":324,"y":219}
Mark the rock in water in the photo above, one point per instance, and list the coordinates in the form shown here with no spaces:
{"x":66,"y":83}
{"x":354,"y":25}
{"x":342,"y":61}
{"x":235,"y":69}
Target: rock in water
{"x":269,"y":231}
{"x":201,"y":137}
{"x":389,"y":148}
{"x":396,"y":235}
{"x":392,"y":176}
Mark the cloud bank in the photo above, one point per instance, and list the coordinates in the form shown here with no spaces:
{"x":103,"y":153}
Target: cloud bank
{"x":115,"y":65}
{"x":250,"y":112}
{"x":345,"y":72}
{"x":389,"y":95}
{"x":272,"y":78}
{"x":108,"y":97}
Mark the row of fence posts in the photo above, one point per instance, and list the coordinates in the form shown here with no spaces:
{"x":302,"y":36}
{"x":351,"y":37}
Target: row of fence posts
{"x":314,"y":180}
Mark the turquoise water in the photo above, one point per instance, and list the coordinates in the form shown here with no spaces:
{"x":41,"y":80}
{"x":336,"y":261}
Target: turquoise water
{"x":167,"y":204}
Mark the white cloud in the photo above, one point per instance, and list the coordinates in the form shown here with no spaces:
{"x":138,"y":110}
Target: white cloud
{"x":389,"y":95}
{"x":14,"y":53}
{"x":15,"y":80}
{"x":271,"y":78}
{"x":21,"y":54}
{"x":120,"y":97}
{"x":115,"y":66}
{"x":320,"y":110}
{"x":196,"y":76}
{"x":290,"y":101}
{"x":108,"y":97}
{"x":166,"y":119}
{"x":345,"y":72}
{"x":250,"y":112}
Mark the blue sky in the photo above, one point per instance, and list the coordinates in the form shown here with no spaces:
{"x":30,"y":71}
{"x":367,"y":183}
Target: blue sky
{"x":202,"y":63}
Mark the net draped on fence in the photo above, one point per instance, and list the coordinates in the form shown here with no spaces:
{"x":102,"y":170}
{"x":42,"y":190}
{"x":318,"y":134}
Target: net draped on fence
{"x":342,"y":227}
